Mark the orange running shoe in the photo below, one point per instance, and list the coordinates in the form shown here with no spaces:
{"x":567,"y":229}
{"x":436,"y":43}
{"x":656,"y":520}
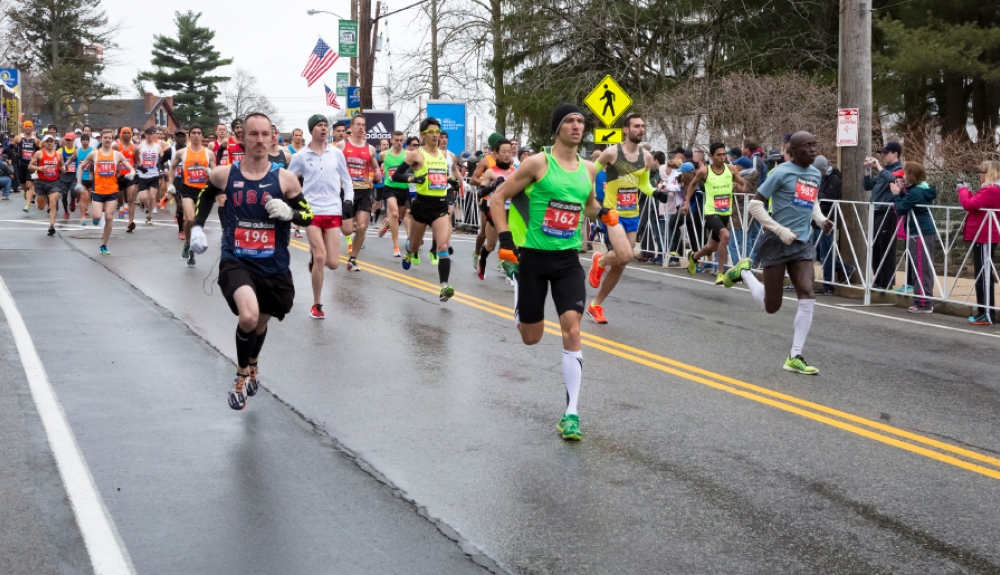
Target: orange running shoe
{"x":596,"y":271}
{"x":596,"y":312}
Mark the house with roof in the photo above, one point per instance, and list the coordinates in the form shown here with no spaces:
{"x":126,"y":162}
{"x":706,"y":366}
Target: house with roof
{"x":137,"y":113}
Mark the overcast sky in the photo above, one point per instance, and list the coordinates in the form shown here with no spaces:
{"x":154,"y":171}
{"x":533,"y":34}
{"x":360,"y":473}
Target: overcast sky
{"x":272,"y":40}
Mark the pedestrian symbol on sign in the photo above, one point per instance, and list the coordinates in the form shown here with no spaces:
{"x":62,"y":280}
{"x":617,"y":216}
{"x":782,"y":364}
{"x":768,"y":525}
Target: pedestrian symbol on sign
{"x":608,"y":101}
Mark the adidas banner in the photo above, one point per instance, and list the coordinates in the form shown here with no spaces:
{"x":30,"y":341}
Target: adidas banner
{"x":379,"y":125}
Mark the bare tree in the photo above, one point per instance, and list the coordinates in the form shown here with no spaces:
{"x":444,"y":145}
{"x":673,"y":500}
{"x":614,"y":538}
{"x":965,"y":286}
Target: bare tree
{"x":242,"y":95}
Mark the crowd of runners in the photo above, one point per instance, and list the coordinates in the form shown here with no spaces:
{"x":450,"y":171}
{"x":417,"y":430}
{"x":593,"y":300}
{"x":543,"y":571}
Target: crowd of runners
{"x":533,"y":205}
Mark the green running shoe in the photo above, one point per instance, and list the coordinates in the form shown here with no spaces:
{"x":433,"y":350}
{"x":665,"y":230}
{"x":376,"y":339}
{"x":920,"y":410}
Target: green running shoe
{"x":433,"y":257}
{"x":798,"y":365}
{"x":732,"y":277}
{"x":569,"y":427}
{"x":415,"y":259}
{"x":446,"y":293}
{"x":186,"y":252}
{"x":475,"y":260}
{"x":692,"y":264}
{"x":720,"y":279}
{"x":510,"y":269}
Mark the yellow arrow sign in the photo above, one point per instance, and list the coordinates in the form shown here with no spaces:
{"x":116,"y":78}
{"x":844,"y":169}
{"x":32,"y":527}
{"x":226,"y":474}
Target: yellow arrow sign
{"x":607,"y":135}
{"x":608,"y":101}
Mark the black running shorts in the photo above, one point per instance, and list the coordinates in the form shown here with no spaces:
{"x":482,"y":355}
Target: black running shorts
{"x":147,"y":183}
{"x":23,"y":173}
{"x":124,"y":184}
{"x":538,"y":269}
{"x":362,"y":201}
{"x":401,"y":195}
{"x":426,"y":209}
{"x":716,"y":224}
{"x":187,"y":192}
{"x":275,"y":293}
{"x":774,"y":252}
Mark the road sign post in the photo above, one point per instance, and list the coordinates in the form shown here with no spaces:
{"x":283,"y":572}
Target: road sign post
{"x":608,"y":101}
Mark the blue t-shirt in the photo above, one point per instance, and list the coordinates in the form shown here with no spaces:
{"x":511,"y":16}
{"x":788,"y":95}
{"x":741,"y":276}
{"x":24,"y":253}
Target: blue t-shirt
{"x":81,"y":155}
{"x":792,"y":190}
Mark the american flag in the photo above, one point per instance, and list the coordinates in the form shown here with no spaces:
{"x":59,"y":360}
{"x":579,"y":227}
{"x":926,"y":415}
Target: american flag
{"x":320,"y":60}
{"x":331,"y":97}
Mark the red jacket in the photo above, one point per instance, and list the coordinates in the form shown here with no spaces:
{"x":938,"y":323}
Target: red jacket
{"x":988,"y":197}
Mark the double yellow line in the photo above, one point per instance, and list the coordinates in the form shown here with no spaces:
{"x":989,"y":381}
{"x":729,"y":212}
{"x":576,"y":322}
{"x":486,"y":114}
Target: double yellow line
{"x":871,"y":429}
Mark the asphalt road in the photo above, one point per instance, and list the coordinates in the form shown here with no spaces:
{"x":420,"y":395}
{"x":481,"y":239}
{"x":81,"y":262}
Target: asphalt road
{"x":402,"y":435}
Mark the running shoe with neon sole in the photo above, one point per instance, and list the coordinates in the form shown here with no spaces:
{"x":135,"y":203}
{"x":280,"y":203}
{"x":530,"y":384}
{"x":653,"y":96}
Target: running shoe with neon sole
{"x":447,"y":292}
{"x":253,"y":380}
{"x":316,"y":311}
{"x":798,"y":364}
{"x":475,"y":260}
{"x":350,"y":243}
{"x":238,"y":394}
{"x":510,"y":269}
{"x":384,"y":228}
{"x":692,"y":264}
{"x":481,"y":269}
{"x":407,"y":261}
{"x":732,"y":277}
{"x":27,"y":208}
{"x":569,"y":427}
{"x":433,"y":257}
{"x":415,"y":259}
{"x":596,"y":312}
{"x":720,"y":279}
{"x":596,"y":271}
{"x":105,"y":251}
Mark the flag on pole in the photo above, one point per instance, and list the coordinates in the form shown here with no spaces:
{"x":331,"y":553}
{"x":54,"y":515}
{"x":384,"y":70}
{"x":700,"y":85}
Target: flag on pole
{"x":320,"y":60}
{"x":331,"y":97}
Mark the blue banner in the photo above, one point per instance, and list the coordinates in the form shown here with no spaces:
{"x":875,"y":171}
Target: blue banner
{"x":452,"y":118}
{"x":353,"y":101}
{"x":9,"y":77}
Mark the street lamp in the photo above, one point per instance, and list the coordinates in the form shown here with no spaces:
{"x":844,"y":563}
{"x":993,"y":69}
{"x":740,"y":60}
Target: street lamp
{"x":312,"y":12}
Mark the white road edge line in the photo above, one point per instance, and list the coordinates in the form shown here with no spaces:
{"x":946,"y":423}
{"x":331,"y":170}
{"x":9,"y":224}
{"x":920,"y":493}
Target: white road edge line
{"x":831,"y":306}
{"x":108,"y":555}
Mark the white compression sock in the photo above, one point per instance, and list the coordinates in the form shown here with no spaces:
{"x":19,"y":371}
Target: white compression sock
{"x":572,"y":364}
{"x":803,"y":320}
{"x":753,"y":284}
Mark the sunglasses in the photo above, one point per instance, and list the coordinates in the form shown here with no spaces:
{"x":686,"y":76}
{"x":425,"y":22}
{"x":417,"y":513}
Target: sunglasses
{"x":432,"y":131}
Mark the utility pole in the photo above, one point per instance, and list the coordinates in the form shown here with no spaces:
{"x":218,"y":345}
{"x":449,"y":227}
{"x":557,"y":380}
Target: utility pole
{"x":855,"y":91}
{"x":354,"y":61}
{"x":368,"y":69}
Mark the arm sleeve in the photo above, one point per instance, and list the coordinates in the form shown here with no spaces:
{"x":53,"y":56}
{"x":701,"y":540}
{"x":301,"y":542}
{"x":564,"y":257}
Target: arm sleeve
{"x":644,"y":185}
{"x":206,"y":199}
{"x":402,"y":174}
{"x":302,"y":214}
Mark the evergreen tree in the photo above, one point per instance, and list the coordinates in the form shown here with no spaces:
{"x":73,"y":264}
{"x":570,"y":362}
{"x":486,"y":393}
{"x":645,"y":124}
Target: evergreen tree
{"x":64,"y":41}
{"x":184,"y":66}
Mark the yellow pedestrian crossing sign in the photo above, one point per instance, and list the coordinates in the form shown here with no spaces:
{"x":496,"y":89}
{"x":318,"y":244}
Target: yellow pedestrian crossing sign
{"x":607,"y":135}
{"x":608,"y":101}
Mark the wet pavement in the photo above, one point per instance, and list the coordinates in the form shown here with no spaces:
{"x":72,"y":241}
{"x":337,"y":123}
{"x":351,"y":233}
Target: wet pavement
{"x":402,"y":435}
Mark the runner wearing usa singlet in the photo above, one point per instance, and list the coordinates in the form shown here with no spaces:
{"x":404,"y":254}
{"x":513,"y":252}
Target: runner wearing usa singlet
{"x":362,"y":164}
{"x":47,"y":163}
{"x":105,"y":162}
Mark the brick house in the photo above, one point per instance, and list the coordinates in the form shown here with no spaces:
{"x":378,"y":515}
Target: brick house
{"x":137,"y":113}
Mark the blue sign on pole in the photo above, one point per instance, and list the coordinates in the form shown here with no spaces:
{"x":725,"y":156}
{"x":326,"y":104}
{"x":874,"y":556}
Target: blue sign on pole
{"x":9,"y":77}
{"x":451,"y":114}
{"x":353,"y":100}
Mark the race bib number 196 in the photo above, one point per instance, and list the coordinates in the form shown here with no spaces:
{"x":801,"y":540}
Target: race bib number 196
{"x":253,"y":239}
{"x":561,"y":219}
{"x":805,"y":192}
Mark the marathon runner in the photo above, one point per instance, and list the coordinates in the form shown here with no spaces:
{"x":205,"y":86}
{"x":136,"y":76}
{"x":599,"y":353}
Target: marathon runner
{"x":377,"y":205}
{"x":491,"y":180}
{"x":339,"y":132}
{"x":324,"y":172}
{"x":106,"y":163}
{"x":175,"y":178}
{"x":298,"y":142}
{"x":485,"y":163}
{"x":430,"y":208}
{"x":362,"y":164}
{"x":83,"y":198}
{"x":550,"y":193}
{"x":48,"y":164}
{"x":149,"y":172}
{"x":628,"y":168}
{"x":253,"y":269}
{"x":127,"y":183}
{"x":68,"y":191}
{"x":454,"y":187}
{"x":194,"y":163}
{"x":396,"y":194}
{"x":277,"y":155}
{"x":718,"y":178}
{"x":785,"y":244}
{"x":26,"y":145}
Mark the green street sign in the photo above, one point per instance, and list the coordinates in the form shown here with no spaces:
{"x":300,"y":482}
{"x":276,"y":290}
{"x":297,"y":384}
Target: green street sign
{"x":347,"y":37}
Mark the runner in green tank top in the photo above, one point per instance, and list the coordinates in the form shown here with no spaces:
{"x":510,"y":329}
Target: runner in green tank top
{"x":395,"y":194}
{"x":550,"y":194}
{"x":430,"y":208}
{"x":718,"y":177}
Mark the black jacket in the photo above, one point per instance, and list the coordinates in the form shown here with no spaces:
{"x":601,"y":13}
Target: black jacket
{"x":6,"y":170}
{"x":878,"y":184}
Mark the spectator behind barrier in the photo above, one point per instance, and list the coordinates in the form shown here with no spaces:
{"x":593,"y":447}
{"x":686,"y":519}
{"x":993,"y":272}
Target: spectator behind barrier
{"x":877,"y":180}
{"x":983,"y":237}
{"x":919,"y":227}
{"x":6,"y":176}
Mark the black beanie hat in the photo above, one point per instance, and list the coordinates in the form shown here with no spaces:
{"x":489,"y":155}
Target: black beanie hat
{"x":560,"y":113}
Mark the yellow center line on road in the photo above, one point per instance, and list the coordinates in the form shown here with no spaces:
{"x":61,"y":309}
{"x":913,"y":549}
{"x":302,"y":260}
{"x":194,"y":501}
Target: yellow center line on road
{"x":878,"y":431}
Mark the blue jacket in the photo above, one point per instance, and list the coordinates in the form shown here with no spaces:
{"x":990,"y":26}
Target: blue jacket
{"x":878,"y":184}
{"x":922,"y":194}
